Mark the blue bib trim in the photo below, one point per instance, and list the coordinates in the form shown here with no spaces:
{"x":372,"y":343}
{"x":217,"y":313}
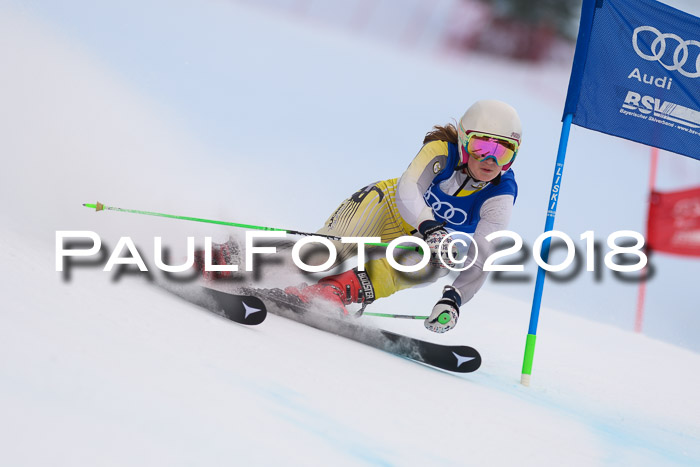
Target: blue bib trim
{"x":461,"y":213}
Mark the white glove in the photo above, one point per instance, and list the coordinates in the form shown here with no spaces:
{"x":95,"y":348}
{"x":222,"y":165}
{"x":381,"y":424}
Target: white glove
{"x":445,"y":312}
{"x":433,"y":233}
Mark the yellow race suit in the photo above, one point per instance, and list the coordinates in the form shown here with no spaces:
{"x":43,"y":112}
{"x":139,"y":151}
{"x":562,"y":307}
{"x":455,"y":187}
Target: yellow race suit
{"x":393,"y":208}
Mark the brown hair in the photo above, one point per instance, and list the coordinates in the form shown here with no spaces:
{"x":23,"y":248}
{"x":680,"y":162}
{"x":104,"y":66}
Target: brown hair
{"x":442,"y":133}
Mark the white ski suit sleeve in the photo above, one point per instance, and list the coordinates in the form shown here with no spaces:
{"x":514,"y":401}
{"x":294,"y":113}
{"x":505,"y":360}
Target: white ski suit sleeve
{"x":495,"y":214}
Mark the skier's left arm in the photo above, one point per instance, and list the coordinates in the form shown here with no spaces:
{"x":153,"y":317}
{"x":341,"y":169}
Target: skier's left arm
{"x":495,"y":214}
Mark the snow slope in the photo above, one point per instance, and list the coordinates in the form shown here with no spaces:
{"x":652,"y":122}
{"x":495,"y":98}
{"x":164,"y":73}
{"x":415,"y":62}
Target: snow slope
{"x":95,"y":372}
{"x":173,"y":109}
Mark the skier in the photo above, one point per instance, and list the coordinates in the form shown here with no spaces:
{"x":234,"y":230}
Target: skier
{"x":460,"y":181}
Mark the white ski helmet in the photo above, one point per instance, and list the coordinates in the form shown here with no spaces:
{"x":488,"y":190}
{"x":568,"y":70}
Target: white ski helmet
{"x":493,"y":118}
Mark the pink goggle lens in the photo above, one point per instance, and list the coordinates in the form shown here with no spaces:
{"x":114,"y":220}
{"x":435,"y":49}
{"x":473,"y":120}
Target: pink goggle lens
{"x":482,"y":147}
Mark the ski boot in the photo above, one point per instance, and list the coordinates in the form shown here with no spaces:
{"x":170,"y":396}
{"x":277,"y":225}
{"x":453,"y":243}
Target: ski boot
{"x":343,"y":289}
{"x":221,"y":254}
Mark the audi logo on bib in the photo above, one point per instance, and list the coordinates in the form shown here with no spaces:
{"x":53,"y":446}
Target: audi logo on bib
{"x":445,"y":210}
{"x":683,"y":51}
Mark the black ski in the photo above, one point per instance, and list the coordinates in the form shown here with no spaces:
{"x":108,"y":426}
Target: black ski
{"x":244,"y":309}
{"x":456,"y":358}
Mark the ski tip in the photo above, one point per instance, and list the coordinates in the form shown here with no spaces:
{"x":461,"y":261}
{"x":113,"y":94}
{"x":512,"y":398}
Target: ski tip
{"x":253,"y":312}
{"x":243,"y":309}
{"x":468,"y":360}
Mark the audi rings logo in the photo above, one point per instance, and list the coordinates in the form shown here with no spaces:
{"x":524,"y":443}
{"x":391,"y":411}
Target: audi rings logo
{"x":681,"y":54}
{"x":444,"y":210}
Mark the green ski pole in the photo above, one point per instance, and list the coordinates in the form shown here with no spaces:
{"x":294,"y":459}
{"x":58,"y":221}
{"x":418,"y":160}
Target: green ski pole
{"x":391,"y":315}
{"x":101,"y":207}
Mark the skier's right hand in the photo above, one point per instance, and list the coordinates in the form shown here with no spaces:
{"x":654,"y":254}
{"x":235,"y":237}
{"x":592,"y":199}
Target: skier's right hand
{"x":445,"y":312}
{"x":433,"y":233}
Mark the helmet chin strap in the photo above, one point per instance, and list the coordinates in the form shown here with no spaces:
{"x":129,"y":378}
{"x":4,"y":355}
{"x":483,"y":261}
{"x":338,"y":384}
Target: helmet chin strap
{"x":464,"y":166}
{"x":469,"y":173}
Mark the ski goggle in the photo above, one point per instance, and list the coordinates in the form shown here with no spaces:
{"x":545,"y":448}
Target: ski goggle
{"x":483,"y":146}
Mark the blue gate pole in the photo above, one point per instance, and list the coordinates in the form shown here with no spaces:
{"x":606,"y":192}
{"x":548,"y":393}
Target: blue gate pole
{"x":548,"y":226}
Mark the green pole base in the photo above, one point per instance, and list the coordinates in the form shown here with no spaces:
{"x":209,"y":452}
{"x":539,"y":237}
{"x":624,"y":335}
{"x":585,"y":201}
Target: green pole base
{"x":527,"y":360}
